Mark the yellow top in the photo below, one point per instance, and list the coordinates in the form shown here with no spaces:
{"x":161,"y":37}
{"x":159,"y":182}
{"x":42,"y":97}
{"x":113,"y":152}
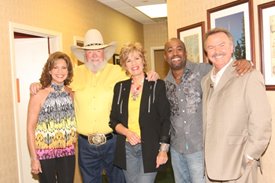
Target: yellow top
{"x":133,"y":118}
{"x":93,"y":97}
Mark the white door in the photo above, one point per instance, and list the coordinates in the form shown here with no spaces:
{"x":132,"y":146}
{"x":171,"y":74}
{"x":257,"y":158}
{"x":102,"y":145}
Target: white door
{"x":30,"y":56}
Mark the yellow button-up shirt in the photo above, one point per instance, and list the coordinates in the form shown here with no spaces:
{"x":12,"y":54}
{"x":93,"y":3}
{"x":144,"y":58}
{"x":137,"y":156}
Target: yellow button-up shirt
{"x":93,"y":94}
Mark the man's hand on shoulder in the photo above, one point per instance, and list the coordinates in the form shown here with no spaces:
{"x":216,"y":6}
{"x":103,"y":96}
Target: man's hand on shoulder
{"x":243,"y":66}
{"x":34,"y":88}
{"x":152,"y":76}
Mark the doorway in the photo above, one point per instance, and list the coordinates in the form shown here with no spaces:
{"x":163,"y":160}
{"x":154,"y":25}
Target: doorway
{"x":158,"y":63}
{"x":28,"y":55}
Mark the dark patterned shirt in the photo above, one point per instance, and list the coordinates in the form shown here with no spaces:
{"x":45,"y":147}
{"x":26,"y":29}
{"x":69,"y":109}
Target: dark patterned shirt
{"x":186,"y":108}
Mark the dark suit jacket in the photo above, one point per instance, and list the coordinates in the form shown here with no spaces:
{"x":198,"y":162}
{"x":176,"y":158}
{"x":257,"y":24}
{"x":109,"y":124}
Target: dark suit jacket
{"x":154,"y":120}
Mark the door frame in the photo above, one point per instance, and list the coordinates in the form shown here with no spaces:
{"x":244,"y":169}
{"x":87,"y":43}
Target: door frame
{"x":55,"y":44}
{"x":152,"y":50}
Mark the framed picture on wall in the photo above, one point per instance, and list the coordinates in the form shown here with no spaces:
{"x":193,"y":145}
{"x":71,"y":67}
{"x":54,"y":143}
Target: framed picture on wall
{"x":78,"y":41}
{"x":192,"y":36}
{"x":266,"y":13}
{"x":116,"y":60}
{"x":237,"y":18}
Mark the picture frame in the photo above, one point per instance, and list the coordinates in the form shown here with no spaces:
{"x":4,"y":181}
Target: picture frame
{"x":237,"y":18}
{"x":78,"y":41}
{"x":192,"y":36}
{"x":266,"y":17}
{"x":116,"y":60}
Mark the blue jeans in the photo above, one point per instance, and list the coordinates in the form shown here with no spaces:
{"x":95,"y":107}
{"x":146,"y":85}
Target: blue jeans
{"x":134,"y":172}
{"x":93,"y":159}
{"x":188,"y":168}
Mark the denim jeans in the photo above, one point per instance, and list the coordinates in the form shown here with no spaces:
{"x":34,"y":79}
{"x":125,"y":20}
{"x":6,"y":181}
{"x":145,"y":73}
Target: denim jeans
{"x":134,"y":172}
{"x":93,"y":159}
{"x":188,"y":168}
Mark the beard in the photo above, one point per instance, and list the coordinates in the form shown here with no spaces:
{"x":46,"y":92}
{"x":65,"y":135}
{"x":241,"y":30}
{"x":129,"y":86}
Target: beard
{"x":178,"y":65}
{"x":95,"y":67}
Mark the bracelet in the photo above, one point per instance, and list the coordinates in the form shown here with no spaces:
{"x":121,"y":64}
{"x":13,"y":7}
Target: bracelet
{"x":164,"y":147}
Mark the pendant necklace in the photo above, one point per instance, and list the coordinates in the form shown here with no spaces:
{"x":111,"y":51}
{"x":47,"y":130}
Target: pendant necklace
{"x":135,"y":90}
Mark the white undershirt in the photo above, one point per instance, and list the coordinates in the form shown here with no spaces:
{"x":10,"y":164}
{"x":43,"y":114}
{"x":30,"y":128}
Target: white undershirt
{"x":216,"y":77}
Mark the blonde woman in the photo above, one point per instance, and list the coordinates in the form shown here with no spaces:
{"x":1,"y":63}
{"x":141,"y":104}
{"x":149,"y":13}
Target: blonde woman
{"x":141,"y":116}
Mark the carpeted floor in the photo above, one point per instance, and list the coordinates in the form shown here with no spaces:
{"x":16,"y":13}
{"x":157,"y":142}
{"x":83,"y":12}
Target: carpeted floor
{"x":165,"y":176}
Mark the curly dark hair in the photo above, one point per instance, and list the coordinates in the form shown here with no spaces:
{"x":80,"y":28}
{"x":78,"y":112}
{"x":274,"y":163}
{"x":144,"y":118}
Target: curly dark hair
{"x":46,"y":78}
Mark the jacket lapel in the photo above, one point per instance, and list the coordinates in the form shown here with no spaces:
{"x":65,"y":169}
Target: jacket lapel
{"x":209,"y":86}
{"x":126,"y":94}
{"x":228,"y":74}
{"x":144,"y":97}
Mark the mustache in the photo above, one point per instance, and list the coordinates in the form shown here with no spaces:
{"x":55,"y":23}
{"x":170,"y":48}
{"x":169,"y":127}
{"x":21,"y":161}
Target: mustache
{"x":92,"y":60}
{"x":95,"y":67}
{"x":218,"y":54}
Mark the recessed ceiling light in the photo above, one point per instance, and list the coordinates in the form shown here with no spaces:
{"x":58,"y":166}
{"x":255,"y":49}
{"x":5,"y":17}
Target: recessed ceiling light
{"x":154,"y":11}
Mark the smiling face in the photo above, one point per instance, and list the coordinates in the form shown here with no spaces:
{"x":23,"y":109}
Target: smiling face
{"x":175,"y":54}
{"x":132,"y":59}
{"x":95,"y":59}
{"x":219,"y":49}
{"x":134,"y":64}
{"x":59,"y":72}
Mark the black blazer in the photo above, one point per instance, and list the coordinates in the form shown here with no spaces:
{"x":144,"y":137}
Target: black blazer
{"x":154,"y":120}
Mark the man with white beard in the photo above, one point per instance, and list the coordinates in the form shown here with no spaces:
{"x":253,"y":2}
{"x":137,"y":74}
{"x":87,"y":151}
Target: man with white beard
{"x":93,"y":85}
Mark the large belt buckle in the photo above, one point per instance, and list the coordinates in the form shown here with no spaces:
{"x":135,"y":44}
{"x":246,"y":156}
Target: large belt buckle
{"x":97,"y":139}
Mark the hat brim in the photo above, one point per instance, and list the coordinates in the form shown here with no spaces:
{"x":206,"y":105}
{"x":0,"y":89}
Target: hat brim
{"x":109,"y":50}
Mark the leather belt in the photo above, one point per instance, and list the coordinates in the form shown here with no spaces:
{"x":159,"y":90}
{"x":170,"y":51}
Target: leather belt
{"x":97,"y":138}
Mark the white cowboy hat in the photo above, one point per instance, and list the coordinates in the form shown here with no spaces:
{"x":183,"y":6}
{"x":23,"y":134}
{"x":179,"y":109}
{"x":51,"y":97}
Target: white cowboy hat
{"x":92,"y":41}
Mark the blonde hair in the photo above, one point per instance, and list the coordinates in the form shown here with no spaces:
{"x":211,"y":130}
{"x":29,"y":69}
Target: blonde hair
{"x":130,"y":48}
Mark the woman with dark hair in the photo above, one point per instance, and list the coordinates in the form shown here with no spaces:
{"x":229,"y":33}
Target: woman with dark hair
{"x":51,"y":125}
{"x":141,"y":116}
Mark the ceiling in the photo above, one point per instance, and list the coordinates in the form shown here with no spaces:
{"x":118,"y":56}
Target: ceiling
{"x":127,"y":7}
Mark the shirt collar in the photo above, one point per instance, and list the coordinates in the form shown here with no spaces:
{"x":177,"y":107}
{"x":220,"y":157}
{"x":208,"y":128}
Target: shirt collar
{"x":216,"y":77}
{"x":170,"y":77}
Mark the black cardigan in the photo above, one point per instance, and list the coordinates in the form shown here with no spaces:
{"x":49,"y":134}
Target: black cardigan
{"x":154,"y":120}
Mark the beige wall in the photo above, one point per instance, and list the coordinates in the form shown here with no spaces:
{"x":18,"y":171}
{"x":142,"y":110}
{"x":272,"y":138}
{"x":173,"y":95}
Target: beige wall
{"x":183,"y":13}
{"x":73,"y":18}
{"x":155,"y":35}
{"x":69,"y":17}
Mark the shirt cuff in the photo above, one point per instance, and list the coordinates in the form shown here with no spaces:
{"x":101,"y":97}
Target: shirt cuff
{"x":249,"y":157}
